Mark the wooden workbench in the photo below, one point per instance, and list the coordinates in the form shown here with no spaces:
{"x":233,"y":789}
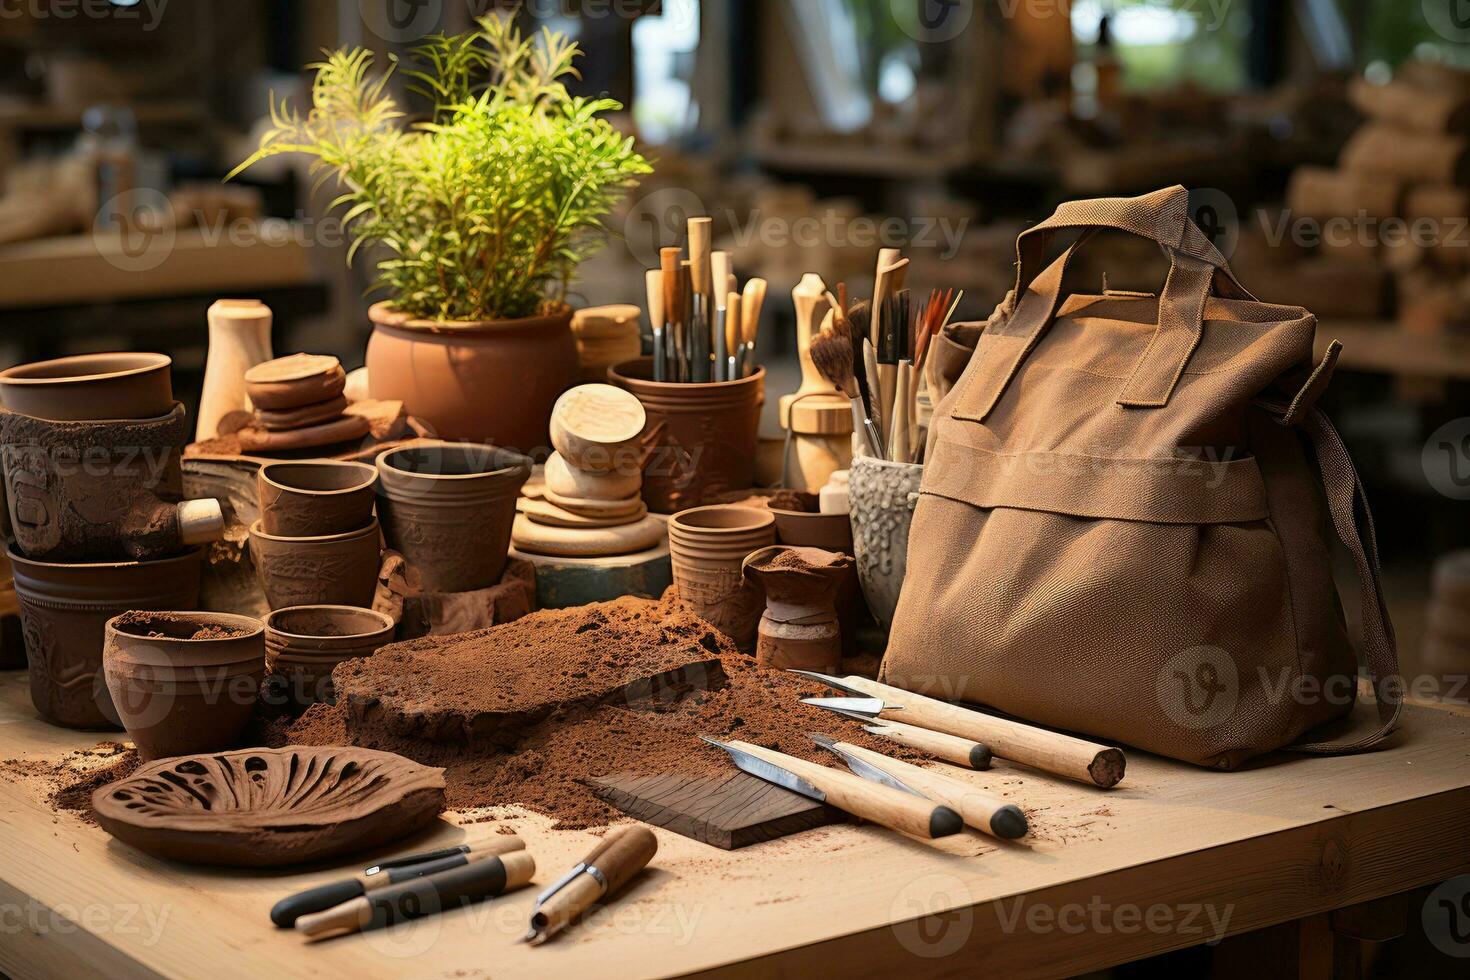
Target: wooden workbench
{"x":1192,"y":852}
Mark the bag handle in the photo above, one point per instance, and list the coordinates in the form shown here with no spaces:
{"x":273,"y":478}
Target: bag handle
{"x":1348,"y":505}
{"x":1196,"y":268}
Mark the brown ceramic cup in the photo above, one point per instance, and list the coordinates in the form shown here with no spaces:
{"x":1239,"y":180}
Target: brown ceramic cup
{"x":328,"y":569}
{"x":90,"y":386}
{"x":304,"y":643}
{"x":183,"y":682}
{"x":707,"y":546}
{"x":307,"y":499}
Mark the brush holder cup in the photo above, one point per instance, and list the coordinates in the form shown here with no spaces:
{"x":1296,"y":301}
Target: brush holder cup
{"x":882,"y":495}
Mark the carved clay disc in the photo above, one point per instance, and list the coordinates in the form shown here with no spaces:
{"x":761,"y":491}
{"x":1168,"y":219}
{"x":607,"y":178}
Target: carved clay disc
{"x":590,"y":507}
{"x":270,"y":807}
{"x":568,"y":482}
{"x":586,"y":542}
{"x":342,"y":429}
{"x":544,"y":512}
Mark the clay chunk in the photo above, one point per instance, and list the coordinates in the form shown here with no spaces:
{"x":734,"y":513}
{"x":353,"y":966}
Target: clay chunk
{"x":270,"y":807}
{"x":488,"y":686}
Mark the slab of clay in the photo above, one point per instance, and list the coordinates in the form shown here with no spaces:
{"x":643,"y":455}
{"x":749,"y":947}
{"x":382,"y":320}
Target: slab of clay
{"x":295,"y":380}
{"x":586,"y":542}
{"x":545,"y":512}
{"x":255,"y":440}
{"x":270,"y":807}
{"x":588,"y":507}
{"x":487,"y":687}
{"x":568,"y":482}
{"x":299,"y":418}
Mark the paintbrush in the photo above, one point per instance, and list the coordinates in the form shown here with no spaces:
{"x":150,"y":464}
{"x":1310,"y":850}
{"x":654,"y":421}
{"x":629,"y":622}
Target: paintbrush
{"x":858,"y":317}
{"x":831,"y":353}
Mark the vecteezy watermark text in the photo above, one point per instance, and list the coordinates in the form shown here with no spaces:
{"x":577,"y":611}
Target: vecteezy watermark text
{"x":146,"y":12}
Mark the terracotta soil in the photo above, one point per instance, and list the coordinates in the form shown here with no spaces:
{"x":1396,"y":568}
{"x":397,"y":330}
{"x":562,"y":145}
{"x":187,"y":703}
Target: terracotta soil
{"x":148,"y":624}
{"x":573,"y":666}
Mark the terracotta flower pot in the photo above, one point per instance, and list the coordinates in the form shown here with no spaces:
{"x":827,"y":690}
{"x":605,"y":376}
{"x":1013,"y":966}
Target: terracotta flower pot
{"x":183,"y":682}
{"x":329,"y":569}
{"x":700,"y":438}
{"x":63,"y":611}
{"x":882,"y":496}
{"x":304,"y":643}
{"x":707,"y":546}
{"x":101,"y":490}
{"x":448,"y":509}
{"x":299,"y":500}
{"x":90,"y":386}
{"x":490,"y":381}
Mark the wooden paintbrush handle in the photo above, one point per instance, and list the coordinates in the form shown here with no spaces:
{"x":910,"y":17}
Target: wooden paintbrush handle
{"x":1048,"y":751}
{"x":881,"y":804}
{"x":700,"y":232}
{"x":983,"y":811}
{"x":941,"y":745}
{"x":668,"y":259}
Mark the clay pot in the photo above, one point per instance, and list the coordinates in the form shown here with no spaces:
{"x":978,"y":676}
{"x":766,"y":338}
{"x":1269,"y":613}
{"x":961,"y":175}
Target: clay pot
{"x":63,"y":611}
{"x":328,"y":569}
{"x":309,"y":499}
{"x":101,"y":490}
{"x":882,"y":495}
{"x":806,"y":530}
{"x":800,"y":628}
{"x":448,"y":509}
{"x":707,"y":546}
{"x":700,"y":438}
{"x":183,"y":682}
{"x":90,"y":386}
{"x":490,"y":381}
{"x":304,"y":643}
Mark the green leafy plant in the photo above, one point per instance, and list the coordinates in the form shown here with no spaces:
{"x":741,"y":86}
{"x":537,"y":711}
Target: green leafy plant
{"x":484,"y":209}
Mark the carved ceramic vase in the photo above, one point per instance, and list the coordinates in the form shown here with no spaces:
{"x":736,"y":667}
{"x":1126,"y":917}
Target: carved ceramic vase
{"x":882,"y":496}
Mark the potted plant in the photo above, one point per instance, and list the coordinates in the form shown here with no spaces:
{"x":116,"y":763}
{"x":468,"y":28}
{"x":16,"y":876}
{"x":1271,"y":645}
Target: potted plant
{"x":480,"y":212}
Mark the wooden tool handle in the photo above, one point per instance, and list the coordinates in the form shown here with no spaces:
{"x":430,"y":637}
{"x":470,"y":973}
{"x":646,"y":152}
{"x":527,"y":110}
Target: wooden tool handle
{"x":700,"y":232}
{"x":669,"y":264}
{"x":1048,"y":751}
{"x":983,"y":811}
{"x":752,"y":298}
{"x":653,"y":283}
{"x":621,"y":855}
{"x":732,"y":322}
{"x":719,"y":266}
{"x":872,"y":801}
{"x":941,"y":745}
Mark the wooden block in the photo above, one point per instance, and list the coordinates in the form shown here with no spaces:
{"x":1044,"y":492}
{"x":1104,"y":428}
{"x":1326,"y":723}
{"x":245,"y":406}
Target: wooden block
{"x":727,"y":812}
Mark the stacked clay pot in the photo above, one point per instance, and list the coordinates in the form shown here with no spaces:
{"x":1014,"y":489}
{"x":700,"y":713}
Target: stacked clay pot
{"x":708,"y":546}
{"x":92,"y":451}
{"x":183,"y":682}
{"x":448,"y":507}
{"x":701,"y":441}
{"x":304,"y":643}
{"x":317,"y":541}
{"x":801,"y":628}
{"x":590,"y":505}
{"x":299,"y":404}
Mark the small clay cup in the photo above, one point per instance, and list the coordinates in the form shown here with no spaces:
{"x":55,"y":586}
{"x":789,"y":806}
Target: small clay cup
{"x":63,"y":610}
{"x":707,"y":546}
{"x":806,"y":530}
{"x":308,"y":499}
{"x":328,"y":569}
{"x":90,"y":386}
{"x":183,"y":682}
{"x":304,"y":643}
{"x":448,"y":508}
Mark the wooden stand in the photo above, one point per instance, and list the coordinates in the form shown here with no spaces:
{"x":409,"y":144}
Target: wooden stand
{"x":564,"y":582}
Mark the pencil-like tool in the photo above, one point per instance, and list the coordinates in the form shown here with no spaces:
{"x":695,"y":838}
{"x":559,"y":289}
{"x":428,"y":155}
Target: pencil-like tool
{"x":719,"y":280}
{"x":702,"y":307}
{"x":897,"y":807}
{"x":669,"y":268}
{"x":601,"y":874}
{"x":285,"y":912}
{"x":653,"y":281}
{"x":752,"y":298}
{"x":484,"y":876}
{"x":951,"y":748}
{"x":733,"y":321}
{"x":831,"y":353}
{"x":984,"y":811}
{"x":1063,"y":755}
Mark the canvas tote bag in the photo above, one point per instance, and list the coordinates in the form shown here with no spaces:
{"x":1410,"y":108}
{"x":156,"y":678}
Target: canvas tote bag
{"x":1123,"y":524}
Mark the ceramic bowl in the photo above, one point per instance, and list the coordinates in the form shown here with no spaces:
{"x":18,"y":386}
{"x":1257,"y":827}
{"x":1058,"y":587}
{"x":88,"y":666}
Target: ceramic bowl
{"x":90,"y":387}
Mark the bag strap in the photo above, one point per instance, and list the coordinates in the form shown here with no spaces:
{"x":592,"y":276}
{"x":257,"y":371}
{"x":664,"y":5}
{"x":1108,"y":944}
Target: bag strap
{"x":1196,"y":268}
{"x":1348,"y":505}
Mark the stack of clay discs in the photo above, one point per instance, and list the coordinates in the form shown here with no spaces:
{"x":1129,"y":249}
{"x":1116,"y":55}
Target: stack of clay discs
{"x":299,"y":404}
{"x":1447,"y":637}
{"x":590,"y":503}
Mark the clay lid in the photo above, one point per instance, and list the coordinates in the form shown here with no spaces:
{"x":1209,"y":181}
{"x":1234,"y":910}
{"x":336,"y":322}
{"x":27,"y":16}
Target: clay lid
{"x":292,"y":367}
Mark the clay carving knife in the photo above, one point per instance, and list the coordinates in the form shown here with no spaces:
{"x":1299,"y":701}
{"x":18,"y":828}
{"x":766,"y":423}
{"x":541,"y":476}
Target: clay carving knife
{"x":285,"y":912}
{"x":950,"y":748}
{"x":1053,"y":752}
{"x":887,"y":802}
{"x":484,"y":876}
{"x":983,"y":811}
{"x":602,"y":874}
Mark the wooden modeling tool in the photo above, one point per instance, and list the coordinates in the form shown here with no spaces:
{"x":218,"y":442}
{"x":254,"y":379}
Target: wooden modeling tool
{"x":719,"y":283}
{"x":600,"y":875}
{"x":733,"y":320}
{"x":898,"y":809}
{"x":985,"y":812}
{"x":653,"y":281}
{"x":285,"y":912}
{"x":702,"y":300}
{"x":875,"y":408}
{"x":951,"y":748}
{"x":1053,"y":752}
{"x":484,"y":876}
{"x":752,"y":298}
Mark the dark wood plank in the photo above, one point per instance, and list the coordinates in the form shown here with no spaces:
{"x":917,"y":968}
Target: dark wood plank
{"x":727,"y":811}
